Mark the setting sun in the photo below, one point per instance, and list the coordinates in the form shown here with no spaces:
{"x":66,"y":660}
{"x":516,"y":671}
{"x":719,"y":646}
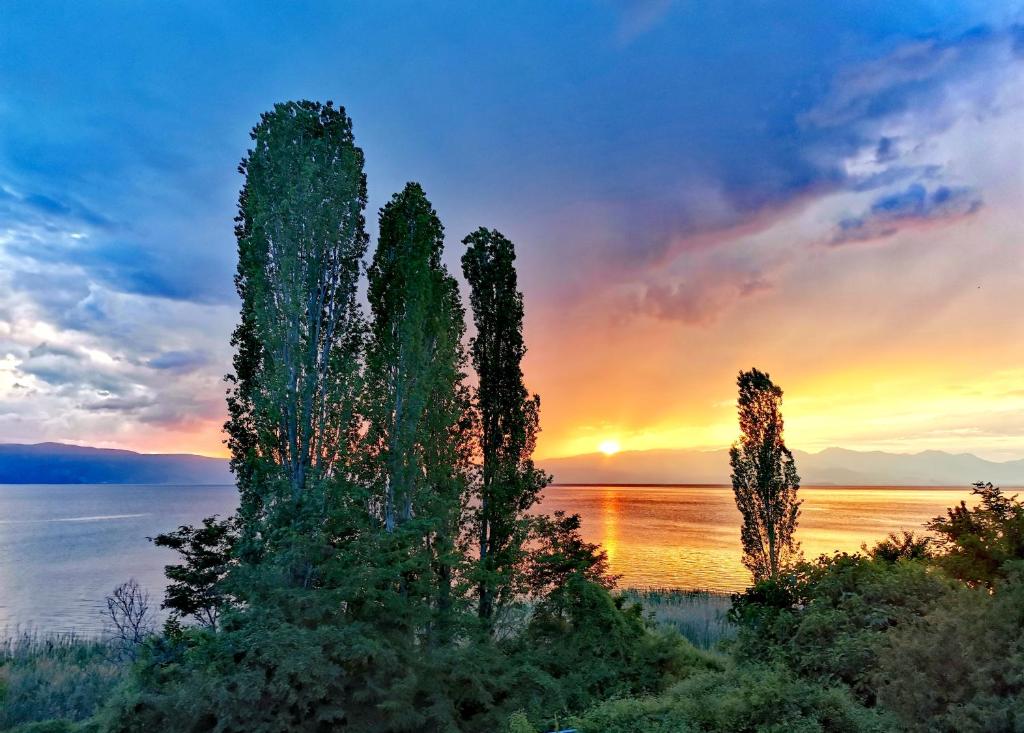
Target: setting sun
{"x":609,"y":447}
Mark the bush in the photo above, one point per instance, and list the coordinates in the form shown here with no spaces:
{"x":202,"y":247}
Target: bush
{"x":303,"y":666}
{"x":596,"y":646}
{"x":981,"y":542}
{"x":827,"y":619}
{"x":740,"y":699}
{"x":961,"y":666}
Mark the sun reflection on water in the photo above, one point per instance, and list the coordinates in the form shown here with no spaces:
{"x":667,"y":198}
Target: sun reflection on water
{"x":688,"y":536}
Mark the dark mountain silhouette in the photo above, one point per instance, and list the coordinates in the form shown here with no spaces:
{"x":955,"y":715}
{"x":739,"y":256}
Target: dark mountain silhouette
{"x":57,"y":463}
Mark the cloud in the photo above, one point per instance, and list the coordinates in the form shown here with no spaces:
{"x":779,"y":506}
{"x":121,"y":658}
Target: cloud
{"x":697,"y":303}
{"x":179,"y":361}
{"x":911,"y":207}
{"x":119,"y":404}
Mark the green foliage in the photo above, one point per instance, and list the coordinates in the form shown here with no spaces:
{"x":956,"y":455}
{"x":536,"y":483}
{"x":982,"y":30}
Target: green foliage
{"x":764,"y":478}
{"x":509,"y":484}
{"x":559,"y":553}
{"x":57,"y":726}
{"x":828,"y":619}
{"x":301,"y":238}
{"x":597,"y":647}
{"x":960,"y":667}
{"x":736,"y":700}
{"x":903,"y":546}
{"x":978,"y":543}
{"x":305,"y":666}
{"x":60,"y":677}
{"x":196,"y":584}
{"x":520,"y":723}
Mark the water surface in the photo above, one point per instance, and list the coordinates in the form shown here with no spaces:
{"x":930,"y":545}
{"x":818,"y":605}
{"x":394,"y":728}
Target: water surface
{"x":64,"y":548}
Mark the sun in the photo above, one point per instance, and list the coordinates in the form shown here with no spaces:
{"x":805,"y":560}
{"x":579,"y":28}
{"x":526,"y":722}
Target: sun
{"x":609,"y":447}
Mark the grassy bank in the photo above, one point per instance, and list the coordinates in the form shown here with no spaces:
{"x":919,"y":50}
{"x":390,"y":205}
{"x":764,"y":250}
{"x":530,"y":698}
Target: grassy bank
{"x":54,"y":676}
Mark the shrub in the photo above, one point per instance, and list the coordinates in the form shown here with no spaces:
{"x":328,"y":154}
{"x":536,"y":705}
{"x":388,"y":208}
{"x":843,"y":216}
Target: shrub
{"x":740,"y":699}
{"x":596,"y":646}
{"x":827,"y":619}
{"x":961,"y":666}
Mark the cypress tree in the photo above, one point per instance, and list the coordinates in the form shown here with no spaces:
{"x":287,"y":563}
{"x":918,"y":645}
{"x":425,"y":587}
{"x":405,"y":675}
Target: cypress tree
{"x":509,"y":484}
{"x":301,"y":237}
{"x":416,"y":402}
{"x":764,"y":478}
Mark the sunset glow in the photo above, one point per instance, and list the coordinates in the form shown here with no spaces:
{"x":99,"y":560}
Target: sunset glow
{"x":609,"y":447}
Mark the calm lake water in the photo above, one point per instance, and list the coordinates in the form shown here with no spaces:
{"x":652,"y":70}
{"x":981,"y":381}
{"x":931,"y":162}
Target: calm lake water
{"x":64,"y":548}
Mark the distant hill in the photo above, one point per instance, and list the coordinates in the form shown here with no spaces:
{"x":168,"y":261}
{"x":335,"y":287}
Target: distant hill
{"x":832,"y":466}
{"x":57,"y":463}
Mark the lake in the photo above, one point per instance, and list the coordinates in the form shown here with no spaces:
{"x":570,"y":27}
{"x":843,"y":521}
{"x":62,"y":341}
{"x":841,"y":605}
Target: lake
{"x":64,"y":548}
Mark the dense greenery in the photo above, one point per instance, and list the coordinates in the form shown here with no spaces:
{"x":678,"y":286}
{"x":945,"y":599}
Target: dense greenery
{"x":388,"y":569}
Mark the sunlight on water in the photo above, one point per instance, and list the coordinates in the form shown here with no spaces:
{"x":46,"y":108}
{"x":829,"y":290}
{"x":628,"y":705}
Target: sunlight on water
{"x":64,"y":548}
{"x":688,"y":536}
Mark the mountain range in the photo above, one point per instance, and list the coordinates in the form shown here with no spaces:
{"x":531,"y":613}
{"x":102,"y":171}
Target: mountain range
{"x":58,"y":463}
{"x":832,"y":466}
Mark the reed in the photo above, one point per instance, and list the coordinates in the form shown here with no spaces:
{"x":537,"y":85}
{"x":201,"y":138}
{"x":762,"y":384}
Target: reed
{"x":699,"y":615}
{"x":60,"y":676}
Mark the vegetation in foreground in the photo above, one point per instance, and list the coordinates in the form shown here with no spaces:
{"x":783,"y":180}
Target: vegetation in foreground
{"x":55,"y":676}
{"x":385,"y":573}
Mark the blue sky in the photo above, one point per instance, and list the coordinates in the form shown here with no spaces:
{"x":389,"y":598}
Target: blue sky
{"x":672,"y":173}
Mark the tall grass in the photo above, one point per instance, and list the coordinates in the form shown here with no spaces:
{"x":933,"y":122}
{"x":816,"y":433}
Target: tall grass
{"x":699,"y":615}
{"x":54,"y":676}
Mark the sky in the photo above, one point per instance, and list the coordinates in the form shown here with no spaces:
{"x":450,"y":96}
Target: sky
{"x":831,"y":192}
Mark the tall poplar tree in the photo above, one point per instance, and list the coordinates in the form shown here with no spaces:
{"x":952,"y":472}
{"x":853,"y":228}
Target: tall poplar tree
{"x":416,"y":402}
{"x":764,"y":478}
{"x":301,"y":237}
{"x":509,"y":484}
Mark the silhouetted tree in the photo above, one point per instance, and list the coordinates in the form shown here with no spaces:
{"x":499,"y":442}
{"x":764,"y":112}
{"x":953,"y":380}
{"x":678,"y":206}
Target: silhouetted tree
{"x":905,"y":545}
{"x":764,"y":478}
{"x":509,"y":484}
{"x":195,"y":587}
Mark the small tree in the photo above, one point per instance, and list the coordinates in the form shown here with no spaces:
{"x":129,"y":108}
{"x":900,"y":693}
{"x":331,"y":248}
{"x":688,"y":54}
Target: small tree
{"x":764,"y":478}
{"x":195,"y":587}
{"x":980,"y":541}
{"x":128,"y":609}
